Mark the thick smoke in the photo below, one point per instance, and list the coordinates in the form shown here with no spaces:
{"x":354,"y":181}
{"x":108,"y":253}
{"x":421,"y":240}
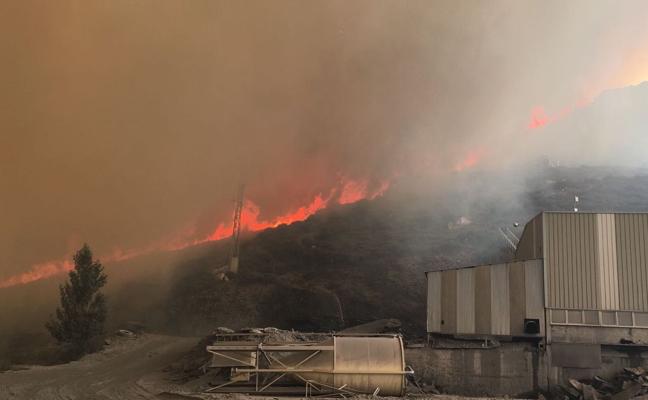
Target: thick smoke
{"x":123,"y":123}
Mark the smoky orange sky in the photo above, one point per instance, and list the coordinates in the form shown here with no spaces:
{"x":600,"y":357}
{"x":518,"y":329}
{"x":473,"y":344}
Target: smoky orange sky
{"x":123,"y":123}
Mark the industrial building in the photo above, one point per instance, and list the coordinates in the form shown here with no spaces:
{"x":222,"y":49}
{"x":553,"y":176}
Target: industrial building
{"x":572,"y":303}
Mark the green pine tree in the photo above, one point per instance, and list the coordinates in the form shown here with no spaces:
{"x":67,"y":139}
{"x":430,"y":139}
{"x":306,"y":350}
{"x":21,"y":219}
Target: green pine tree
{"x":82,"y":313}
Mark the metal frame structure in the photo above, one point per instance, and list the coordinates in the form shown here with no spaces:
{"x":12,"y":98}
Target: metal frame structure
{"x":298,"y":368}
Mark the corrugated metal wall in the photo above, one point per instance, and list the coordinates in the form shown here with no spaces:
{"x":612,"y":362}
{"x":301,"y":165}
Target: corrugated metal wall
{"x":592,"y":261}
{"x":483,"y":302}
{"x":500,"y":300}
{"x":534,"y":285}
{"x":570,"y":258}
{"x":449,"y":301}
{"x":466,"y":300}
{"x":607,"y":262}
{"x":434,"y":302}
{"x":632,"y":260}
{"x":490,"y":299}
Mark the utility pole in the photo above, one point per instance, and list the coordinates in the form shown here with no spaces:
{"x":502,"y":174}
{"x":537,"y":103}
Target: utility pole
{"x":236,"y":232}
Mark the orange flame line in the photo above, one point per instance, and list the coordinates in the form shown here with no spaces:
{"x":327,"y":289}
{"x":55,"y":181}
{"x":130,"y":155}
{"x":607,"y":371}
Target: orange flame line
{"x":352,"y":191}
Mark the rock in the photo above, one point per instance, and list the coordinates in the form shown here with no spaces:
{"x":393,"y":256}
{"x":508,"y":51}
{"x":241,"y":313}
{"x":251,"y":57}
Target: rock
{"x":126,"y":333}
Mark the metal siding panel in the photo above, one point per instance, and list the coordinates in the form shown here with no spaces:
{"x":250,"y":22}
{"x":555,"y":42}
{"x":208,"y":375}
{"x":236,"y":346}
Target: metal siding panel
{"x":641,"y":291}
{"x":572,"y":269}
{"x":449,"y":302}
{"x":516,"y":297}
{"x":483,"y":300}
{"x":630,"y":238}
{"x":499,"y":300}
{"x":539,"y":243}
{"x":592,"y":254}
{"x":635,"y":263}
{"x":643,"y":260}
{"x":530,"y":244}
{"x":632,"y":260}
{"x":607,"y":263}
{"x":534,"y":291}
{"x":466,"y":301}
{"x":550,"y":261}
{"x":622,"y":265}
{"x":525,"y":246}
{"x":434,"y":301}
{"x":593,"y":286}
{"x":567,"y":264}
{"x":564,"y":272}
{"x":556,"y":292}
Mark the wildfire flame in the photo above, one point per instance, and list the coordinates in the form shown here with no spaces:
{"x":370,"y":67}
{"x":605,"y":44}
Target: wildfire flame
{"x":351,"y":191}
{"x":470,"y":160}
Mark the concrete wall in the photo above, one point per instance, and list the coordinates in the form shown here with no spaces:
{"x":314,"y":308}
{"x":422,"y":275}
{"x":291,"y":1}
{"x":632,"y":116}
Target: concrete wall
{"x":582,"y":352}
{"x":586,"y":361}
{"x":513,"y":368}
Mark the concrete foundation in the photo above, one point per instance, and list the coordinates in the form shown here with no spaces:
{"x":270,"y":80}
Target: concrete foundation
{"x":611,"y":361}
{"x":509,"y":369}
{"x":467,"y":367}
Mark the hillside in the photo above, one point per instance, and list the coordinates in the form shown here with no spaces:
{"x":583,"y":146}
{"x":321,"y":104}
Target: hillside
{"x":352,"y":264}
{"x":343,"y":266}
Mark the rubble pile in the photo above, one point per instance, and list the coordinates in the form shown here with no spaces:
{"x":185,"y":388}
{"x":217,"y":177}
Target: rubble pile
{"x":632,"y":383}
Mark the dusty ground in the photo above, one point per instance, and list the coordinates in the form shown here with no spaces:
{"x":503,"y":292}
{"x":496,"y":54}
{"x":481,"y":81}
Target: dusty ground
{"x":127,"y":369}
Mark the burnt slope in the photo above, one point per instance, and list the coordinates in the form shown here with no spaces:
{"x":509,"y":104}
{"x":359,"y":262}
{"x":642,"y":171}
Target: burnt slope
{"x":343,"y":266}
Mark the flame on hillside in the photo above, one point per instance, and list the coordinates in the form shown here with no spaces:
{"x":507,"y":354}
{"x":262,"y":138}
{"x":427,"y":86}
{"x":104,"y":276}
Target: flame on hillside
{"x":349,"y":191}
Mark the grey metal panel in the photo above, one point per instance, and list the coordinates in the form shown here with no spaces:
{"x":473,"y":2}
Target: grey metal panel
{"x":632,"y":260}
{"x":571,"y":260}
{"x":607,"y":262}
{"x":434,"y":302}
{"x":530,"y":245}
{"x":534,"y":291}
{"x":483,"y":299}
{"x":517,"y":297}
{"x":500,"y":300}
{"x":466,"y":300}
{"x":449,"y":301}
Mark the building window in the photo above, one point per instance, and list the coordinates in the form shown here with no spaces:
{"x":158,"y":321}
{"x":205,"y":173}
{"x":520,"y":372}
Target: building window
{"x":641,"y":319}
{"x":625,"y":318}
{"x":558,"y":317}
{"x":608,"y":318}
{"x":591,"y":317}
{"x":574,"y":317}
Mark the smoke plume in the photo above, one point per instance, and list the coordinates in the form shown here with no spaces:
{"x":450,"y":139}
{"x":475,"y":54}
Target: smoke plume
{"x":130,"y":124}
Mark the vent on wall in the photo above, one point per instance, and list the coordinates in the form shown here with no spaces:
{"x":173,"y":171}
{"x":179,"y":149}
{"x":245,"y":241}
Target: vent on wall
{"x":531,"y":326}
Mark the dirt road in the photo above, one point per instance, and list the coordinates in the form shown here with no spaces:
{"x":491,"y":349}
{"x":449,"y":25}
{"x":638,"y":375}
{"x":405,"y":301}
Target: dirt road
{"x":127,"y":369}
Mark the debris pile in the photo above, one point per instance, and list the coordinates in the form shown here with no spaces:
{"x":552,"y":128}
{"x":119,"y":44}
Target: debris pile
{"x":629,"y":384}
